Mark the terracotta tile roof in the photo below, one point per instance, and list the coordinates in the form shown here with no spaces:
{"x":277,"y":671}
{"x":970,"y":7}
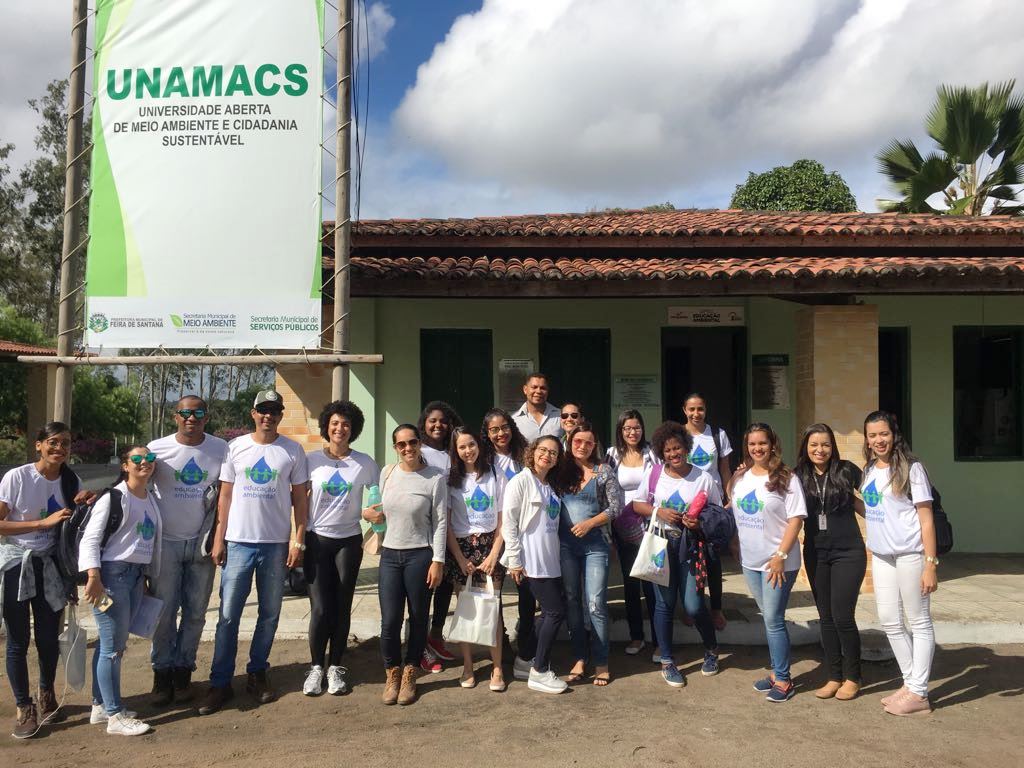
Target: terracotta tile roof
{"x":697,"y":224}
{"x":11,"y":348}
{"x":680,"y":268}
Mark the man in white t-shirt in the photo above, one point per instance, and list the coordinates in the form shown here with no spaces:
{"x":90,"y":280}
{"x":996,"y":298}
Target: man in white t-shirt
{"x":263,"y":479}
{"x":188,"y":464}
{"x":537,"y":416}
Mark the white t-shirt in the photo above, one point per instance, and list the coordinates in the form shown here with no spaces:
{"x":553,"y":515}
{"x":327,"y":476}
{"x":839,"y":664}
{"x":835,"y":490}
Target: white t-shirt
{"x":630,"y":480}
{"x":894,"y":527}
{"x":336,"y":492}
{"x":507,"y":466}
{"x":704,"y":455}
{"x":133,"y":541}
{"x":539,"y":540}
{"x":677,"y":493}
{"x":473,"y":508}
{"x":29,"y":496}
{"x":435,"y":458}
{"x":761,"y":519}
{"x":263,"y":476}
{"x":182,"y":475}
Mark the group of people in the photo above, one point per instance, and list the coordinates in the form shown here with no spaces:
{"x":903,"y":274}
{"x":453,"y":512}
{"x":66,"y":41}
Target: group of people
{"x":531,"y":495}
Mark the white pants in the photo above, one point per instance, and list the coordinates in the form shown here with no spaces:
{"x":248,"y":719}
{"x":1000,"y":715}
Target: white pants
{"x":897,"y":580}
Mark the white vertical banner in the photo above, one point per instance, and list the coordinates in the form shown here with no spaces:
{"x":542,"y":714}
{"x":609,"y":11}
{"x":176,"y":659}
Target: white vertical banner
{"x":205,"y":212}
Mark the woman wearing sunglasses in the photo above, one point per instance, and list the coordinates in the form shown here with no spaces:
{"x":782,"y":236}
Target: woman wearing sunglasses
{"x":569,"y":418}
{"x":414,"y":505}
{"x":117,"y":573}
{"x":33,"y":502}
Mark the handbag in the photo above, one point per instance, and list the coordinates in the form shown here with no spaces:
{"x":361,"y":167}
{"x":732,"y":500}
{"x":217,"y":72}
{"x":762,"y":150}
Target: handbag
{"x":71,"y":643}
{"x":651,"y":562}
{"x":373,"y":541}
{"x":629,"y":525}
{"x":475,"y":619}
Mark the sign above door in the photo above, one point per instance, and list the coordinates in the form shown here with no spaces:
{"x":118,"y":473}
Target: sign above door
{"x":706,"y":316}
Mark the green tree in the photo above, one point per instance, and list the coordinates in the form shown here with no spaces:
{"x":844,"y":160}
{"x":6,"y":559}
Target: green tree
{"x":103,"y":406}
{"x":979,"y":166}
{"x":13,"y":396}
{"x":802,"y":186}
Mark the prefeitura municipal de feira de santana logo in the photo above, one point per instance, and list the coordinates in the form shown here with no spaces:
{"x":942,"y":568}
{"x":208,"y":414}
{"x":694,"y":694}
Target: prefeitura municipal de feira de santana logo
{"x":98,"y":322}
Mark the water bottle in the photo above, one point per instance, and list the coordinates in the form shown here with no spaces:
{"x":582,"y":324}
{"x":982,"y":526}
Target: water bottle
{"x":373,"y":497}
{"x":697,"y":505}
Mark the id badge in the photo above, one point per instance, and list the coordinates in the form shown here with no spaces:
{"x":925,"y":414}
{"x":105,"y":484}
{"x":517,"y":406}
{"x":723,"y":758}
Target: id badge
{"x":822,"y":522}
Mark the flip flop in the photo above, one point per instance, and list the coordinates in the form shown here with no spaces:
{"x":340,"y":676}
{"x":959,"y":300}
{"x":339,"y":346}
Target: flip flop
{"x":602,"y":679}
{"x":574,"y":677}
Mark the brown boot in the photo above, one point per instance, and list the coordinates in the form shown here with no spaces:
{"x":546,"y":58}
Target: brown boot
{"x":216,"y":698}
{"x":407,"y":695}
{"x":182,"y":680}
{"x":26,"y":723}
{"x":391,"y":685}
{"x":848,"y":691}
{"x":49,"y":709}
{"x":258,"y":684}
{"x":828,"y":690}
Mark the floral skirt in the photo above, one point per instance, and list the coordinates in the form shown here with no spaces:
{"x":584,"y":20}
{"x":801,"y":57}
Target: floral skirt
{"x":475,"y":548}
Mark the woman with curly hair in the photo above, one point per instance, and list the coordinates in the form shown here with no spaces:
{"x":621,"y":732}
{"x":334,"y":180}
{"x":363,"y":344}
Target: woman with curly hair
{"x":334,"y":541}
{"x":768,"y":504}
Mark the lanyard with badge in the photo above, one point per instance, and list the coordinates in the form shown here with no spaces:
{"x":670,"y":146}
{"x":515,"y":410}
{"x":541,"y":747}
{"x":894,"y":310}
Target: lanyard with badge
{"x":823,"y":497}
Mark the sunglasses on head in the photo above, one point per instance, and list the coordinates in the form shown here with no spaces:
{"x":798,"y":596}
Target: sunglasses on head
{"x":199,"y":413}
{"x":568,"y":415}
{"x":411,"y":443}
{"x":138,"y":458}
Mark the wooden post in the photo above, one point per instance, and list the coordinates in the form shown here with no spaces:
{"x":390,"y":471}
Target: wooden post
{"x":342,"y":188}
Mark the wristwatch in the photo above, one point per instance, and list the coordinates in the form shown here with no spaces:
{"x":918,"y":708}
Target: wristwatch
{"x":298,"y":546}
{"x":932,"y":560}
{"x":781,"y":555}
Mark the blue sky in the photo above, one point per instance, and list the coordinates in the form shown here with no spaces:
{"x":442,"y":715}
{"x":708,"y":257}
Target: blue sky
{"x":534,"y":106}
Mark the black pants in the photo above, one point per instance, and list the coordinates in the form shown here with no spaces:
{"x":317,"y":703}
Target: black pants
{"x":442,"y":602}
{"x":402,"y":582}
{"x":715,"y":578}
{"x":526,"y":630}
{"x":836,"y":576}
{"x":634,"y":589}
{"x":46,"y":622}
{"x":551,"y":597}
{"x":331,"y":567}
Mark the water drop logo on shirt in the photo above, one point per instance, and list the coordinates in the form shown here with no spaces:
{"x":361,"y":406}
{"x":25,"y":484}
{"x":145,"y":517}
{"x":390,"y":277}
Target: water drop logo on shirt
{"x":509,"y":472}
{"x":261,"y":473}
{"x":336,"y":485}
{"x":479,"y":501}
{"x":191,"y":473}
{"x":146,"y":529}
{"x":554,"y":507}
{"x":700,"y":458}
{"x":872,"y":496}
{"x":52,"y":505}
{"x":676,"y":504}
{"x":750,"y":504}
{"x":658,"y":560}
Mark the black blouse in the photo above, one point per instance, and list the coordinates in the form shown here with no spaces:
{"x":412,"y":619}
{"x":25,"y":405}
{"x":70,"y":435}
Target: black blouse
{"x":841,"y":530}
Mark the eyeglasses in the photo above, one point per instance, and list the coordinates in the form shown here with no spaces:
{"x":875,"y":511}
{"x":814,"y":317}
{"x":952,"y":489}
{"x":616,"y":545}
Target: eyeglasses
{"x":567,"y":415}
{"x":137,"y":458}
{"x":632,"y":429}
{"x":199,"y":413}
{"x":403,"y":444}
{"x":551,"y":452}
{"x":577,"y":443}
{"x":499,"y":430}
{"x":55,"y":442}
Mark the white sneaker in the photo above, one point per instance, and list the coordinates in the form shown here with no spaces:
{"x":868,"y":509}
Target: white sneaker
{"x":336,"y":685}
{"x":123,"y":725}
{"x":314,"y":684}
{"x":656,"y":657}
{"x":521,"y":669}
{"x":546,"y":682}
{"x":99,"y":714}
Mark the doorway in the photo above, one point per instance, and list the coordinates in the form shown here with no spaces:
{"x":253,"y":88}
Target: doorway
{"x":578,"y":362}
{"x":711,"y":361}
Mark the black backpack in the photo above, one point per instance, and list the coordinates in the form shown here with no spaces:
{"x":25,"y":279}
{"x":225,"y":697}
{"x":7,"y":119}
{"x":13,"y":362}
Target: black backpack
{"x":69,"y":534}
{"x":943,"y":528}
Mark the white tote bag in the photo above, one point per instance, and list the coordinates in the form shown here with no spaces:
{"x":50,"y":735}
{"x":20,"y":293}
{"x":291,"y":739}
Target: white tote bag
{"x":72,"y":650}
{"x":475,"y":619}
{"x":651,"y":562}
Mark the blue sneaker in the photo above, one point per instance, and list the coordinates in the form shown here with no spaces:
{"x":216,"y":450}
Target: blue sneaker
{"x":710,"y":665}
{"x":673,"y":676}
{"x":764,"y":685}
{"x":779,"y":694}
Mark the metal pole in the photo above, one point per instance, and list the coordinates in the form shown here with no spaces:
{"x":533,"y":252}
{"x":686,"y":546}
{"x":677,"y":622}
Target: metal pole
{"x":72,"y":219}
{"x":342,"y":187}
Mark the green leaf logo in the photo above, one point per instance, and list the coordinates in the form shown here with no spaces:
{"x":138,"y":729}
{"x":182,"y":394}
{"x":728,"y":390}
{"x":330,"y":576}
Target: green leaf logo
{"x":177,"y":321}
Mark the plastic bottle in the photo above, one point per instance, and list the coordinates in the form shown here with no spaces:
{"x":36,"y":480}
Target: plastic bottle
{"x":374,"y":497}
{"x":697,"y":505}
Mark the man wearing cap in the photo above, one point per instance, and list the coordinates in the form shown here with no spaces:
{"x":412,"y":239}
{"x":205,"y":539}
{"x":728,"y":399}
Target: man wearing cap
{"x":263,"y":479}
{"x":537,"y":416}
{"x":188,"y":463}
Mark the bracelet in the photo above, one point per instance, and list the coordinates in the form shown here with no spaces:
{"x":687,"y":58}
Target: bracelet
{"x":300,"y":547}
{"x":781,"y":555}
{"x":932,"y":560}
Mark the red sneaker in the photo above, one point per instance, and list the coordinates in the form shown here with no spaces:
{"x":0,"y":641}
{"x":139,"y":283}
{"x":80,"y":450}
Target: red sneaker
{"x":429,"y":662}
{"x":437,"y":645}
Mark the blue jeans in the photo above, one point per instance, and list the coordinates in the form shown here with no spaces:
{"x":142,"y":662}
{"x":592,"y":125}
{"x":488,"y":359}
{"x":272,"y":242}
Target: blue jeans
{"x":184,"y":581}
{"x":401,"y":581}
{"x":267,"y":561}
{"x":772,"y":601}
{"x":682,"y":586}
{"x":585,"y":575}
{"x":124,"y":583}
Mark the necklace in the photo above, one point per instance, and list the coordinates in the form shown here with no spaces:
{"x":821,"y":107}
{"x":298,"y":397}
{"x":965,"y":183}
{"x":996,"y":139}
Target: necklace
{"x":822,"y":489}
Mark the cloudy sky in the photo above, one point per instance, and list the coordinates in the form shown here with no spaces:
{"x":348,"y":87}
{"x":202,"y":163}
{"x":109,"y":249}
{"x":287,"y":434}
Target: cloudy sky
{"x":484,"y":107}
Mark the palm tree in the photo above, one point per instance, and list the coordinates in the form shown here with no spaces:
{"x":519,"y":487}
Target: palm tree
{"x":979,"y":168}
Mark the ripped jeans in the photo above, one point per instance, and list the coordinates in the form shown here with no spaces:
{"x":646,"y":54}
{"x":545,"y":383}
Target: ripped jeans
{"x":585,"y":577}
{"x":124,"y":583}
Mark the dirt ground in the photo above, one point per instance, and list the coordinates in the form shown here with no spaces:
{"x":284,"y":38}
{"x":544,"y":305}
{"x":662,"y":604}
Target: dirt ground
{"x":637,"y":720}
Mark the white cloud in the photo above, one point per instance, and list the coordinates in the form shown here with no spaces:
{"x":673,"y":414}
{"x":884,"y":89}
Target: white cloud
{"x":372,"y":31}
{"x":678,"y":99}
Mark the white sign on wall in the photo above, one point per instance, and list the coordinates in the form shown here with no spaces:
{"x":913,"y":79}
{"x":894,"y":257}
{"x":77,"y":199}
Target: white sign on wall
{"x":706,"y":316}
